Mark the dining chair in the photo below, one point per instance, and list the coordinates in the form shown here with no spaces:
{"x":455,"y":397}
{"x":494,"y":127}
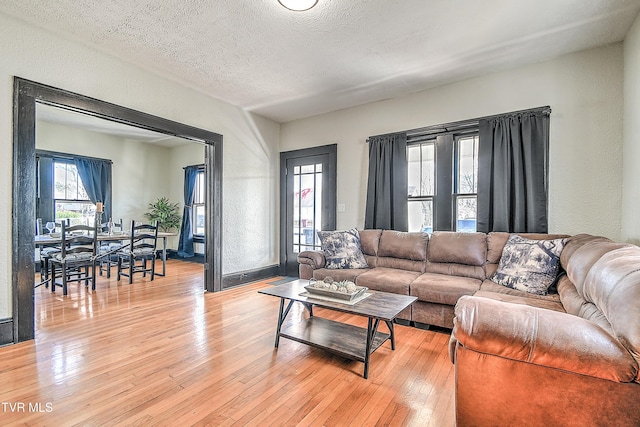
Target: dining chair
{"x":108,"y":251}
{"x":76,"y":261}
{"x":47,"y":251}
{"x":140,"y":249}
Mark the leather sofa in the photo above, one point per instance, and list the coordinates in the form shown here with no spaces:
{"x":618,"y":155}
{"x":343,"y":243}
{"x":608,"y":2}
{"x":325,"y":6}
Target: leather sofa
{"x":571,"y":357}
{"x":572,"y":363}
{"x":438,"y":269}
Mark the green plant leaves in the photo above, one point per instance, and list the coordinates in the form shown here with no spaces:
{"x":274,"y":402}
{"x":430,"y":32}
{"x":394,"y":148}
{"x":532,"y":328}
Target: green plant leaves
{"x":166,"y":213}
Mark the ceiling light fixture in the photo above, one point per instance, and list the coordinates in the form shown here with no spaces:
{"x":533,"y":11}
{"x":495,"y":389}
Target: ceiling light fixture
{"x":298,"y":5}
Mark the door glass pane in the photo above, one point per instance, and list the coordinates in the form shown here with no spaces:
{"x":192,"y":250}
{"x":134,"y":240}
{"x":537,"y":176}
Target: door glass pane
{"x":317,"y":224}
{"x":420,"y":215}
{"x":296,"y":210}
{"x":307,"y":206}
{"x":307,"y":209}
{"x":466,"y":209}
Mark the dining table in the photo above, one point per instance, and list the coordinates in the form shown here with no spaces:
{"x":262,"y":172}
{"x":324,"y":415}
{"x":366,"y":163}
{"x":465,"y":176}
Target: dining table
{"x":47,"y":240}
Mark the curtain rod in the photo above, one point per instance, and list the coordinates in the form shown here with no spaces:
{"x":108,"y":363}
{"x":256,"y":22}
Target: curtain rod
{"x":200,"y":166}
{"x":68,"y":156}
{"x":462,"y":124}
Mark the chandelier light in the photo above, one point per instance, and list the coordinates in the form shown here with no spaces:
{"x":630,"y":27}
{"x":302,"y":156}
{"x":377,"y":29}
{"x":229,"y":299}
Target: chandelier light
{"x":298,"y":5}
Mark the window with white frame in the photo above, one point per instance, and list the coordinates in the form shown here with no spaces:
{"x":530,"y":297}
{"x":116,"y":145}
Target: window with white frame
{"x":70,"y":199}
{"x":198,"y":207}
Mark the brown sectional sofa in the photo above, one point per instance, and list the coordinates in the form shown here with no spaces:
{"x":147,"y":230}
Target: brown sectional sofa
{"x":571,"y":357}
{"x":438,"y":269}
{"x":574,"y":361}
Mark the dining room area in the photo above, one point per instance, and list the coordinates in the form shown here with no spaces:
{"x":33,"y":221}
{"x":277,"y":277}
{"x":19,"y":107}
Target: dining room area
{"x":113,"y":201}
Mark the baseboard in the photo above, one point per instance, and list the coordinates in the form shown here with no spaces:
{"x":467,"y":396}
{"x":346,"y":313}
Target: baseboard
{"x":197,"y":258}
{"x":239,"y":278}
{"x":6,"y":331}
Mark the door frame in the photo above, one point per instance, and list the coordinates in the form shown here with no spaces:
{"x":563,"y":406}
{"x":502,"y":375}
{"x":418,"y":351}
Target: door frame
{"x":330,"y":150}
{"x":26,"y":94}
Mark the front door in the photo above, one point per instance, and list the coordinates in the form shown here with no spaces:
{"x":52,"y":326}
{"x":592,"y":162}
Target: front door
{"x":308,"y":202}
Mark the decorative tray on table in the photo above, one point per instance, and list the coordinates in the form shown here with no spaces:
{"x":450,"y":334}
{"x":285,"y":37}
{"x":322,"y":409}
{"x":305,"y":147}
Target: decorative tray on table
{"x":344,"y":290}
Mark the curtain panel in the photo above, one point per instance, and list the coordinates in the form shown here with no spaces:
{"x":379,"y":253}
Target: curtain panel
{"x":513,"y":173}
{"x":185,"y":244}
{"x":387,"y":187}
{"x":96,"y":177}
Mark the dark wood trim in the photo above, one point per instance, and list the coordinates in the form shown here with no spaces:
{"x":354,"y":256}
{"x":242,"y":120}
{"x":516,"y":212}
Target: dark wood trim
{"x":239,"y":278}
{"x":6,"y":331}
{"x":330,"y":150}
{"x":26,"y":94}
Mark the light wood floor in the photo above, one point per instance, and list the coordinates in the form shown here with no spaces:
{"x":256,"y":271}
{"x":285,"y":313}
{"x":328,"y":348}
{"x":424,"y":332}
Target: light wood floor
{"x":166,"y":353}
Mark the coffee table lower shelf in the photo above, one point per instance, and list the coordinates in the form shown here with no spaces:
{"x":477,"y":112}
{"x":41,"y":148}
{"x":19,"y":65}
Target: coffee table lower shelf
{"x":340,"y":338}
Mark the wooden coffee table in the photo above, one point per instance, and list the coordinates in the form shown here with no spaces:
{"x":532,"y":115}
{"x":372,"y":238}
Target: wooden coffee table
{"x":351,"y":342}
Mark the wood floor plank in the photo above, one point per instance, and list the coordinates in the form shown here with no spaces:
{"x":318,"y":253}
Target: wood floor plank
{"x":167,"y":353}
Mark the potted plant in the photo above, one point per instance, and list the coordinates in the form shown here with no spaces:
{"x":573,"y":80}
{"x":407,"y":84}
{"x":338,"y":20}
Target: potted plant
{"x":166,"y":213}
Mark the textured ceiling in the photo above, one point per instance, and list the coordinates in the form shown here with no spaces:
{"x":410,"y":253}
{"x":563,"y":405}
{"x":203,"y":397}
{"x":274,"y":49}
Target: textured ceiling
{"x":287,"y":65}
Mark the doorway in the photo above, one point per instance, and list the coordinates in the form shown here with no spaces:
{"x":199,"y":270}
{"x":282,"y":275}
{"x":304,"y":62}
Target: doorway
{"x":26,"y":95}
{"x":307,"y":201}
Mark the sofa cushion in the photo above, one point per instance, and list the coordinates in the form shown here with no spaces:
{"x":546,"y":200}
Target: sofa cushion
{"x":613,"y":285}
{"x":458,"y":248}
{"x":490,"y":286}
{"x":387,"y":280}
{"x":402,"y":250}
{"x":342,"y":249}
{"x":529,"y":265}
{"x":497,"y":239}
{"x":547,"y":303}
{"x":398,"y":244}
{"x":442,"y":288}
{"x":369,"y":241}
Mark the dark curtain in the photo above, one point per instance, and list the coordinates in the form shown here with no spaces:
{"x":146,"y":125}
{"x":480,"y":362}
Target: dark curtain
{"x":512,"y":173}
{"x":96,"y":177}
{"x":387,"y":187}
{"x":185,"y":245}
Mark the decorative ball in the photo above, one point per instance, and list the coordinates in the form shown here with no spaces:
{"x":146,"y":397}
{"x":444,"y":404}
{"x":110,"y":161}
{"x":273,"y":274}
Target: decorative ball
{"x":328,"y":280}
{"x":333,"y":287}
{"x":351,"y":287}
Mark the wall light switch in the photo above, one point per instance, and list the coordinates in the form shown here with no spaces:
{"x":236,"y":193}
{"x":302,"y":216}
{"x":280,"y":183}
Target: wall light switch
{"x":341,"y":207}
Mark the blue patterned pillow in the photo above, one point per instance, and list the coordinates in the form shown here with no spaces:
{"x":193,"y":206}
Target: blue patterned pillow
{"x":342,"y":249}
{"x":529,"y":265}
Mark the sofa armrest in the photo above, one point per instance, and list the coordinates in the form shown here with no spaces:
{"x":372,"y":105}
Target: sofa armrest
{"x":541,"y":337}
{"x":314,"y":259}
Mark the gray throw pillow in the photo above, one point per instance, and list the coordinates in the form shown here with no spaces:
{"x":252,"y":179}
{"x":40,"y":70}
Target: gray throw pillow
{"x":529,"y":265}
{"x":342,"y":249}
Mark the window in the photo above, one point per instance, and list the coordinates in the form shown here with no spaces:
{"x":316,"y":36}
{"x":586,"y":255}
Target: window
{"x":421,"y":166}
{"x":466,"y":194}
{"x":198,"y":207}
{"x":70,"y":199}
{"x":443,"y":181}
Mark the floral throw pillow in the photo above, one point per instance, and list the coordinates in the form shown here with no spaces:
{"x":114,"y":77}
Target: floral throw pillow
{"x":342,"y":249}
{"x":529,"y":265}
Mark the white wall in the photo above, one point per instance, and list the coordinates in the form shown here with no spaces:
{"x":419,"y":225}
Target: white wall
{"x":250,"y":142}
{"x":584,"y":91}
{"x":631,"y":181}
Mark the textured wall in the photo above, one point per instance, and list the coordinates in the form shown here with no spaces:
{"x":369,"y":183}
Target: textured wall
{"x":584,"y":91}
{"x":631,"y":183}
{"x":250,"y":141}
